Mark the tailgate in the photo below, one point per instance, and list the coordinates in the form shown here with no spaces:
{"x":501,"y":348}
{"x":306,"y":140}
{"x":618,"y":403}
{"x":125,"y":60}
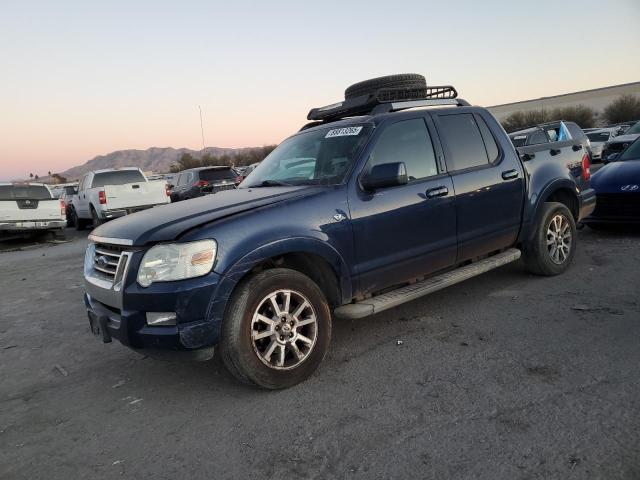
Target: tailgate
{"x":30,"y":209}
{"x":132,"y":195}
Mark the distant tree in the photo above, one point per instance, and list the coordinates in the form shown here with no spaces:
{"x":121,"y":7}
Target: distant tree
{"x":31,"y":175}
{"x":36,"y":177}
{"x":57,"y":178}
{"x":580,"y":114}
{"x":623,"y":109}
{"x":49,"y":172}
{"x":238,"y":158}
{"x":520,"y":120}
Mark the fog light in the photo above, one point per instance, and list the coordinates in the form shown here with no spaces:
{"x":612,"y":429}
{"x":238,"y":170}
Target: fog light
{"x":161,"y":318}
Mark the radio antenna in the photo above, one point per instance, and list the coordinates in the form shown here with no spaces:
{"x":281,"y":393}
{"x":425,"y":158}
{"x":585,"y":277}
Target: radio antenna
{"x":201,"y":129}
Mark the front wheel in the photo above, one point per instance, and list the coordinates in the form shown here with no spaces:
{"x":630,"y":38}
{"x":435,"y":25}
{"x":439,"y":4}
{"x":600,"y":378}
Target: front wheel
{"x":276,"y":330}
{"x":554,"y":243}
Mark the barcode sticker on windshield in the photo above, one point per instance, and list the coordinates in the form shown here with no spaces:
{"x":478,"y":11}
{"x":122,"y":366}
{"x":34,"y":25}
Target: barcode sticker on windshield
{"x":343,"y":132}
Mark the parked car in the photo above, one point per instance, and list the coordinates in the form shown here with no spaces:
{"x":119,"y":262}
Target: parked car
{"x":27,"y":208}
{"x":617,"y":187}
{"x":617,"y":145}
{"x":196,"y":182}
{"x":68,"y":194}
{"x":402,"y":200}
{"x":551,"y":132}
{"x":598,"y":138}
{"x":111,"y":193}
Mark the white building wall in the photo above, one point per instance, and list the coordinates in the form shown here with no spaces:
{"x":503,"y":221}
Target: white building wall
{"x":597,"y":99}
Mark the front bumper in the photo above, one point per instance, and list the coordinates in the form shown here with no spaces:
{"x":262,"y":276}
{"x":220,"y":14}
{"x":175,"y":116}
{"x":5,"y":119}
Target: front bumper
{"x":616,"y":208}
{"x":33,"y":225}
{"x":118,"y":311}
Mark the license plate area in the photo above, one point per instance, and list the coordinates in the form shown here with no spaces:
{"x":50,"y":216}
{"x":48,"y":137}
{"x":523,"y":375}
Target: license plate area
{"x":99,"y":328}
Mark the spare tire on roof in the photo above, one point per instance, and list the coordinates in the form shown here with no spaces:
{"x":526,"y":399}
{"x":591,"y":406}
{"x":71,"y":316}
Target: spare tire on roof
{"x":407,"y":81}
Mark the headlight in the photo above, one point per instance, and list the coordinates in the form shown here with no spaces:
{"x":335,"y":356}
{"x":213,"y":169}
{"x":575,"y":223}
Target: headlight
{"x":177,"y":261}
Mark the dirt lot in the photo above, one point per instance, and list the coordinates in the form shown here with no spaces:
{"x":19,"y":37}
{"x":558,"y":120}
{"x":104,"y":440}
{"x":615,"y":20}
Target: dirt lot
{"x":504,"y":376}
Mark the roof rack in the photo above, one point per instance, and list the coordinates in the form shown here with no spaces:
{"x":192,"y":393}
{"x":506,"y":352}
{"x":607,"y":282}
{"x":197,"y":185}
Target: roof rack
{"x":386,"y":100}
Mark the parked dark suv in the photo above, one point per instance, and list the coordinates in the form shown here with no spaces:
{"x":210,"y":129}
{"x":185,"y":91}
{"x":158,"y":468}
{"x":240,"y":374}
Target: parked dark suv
{"x":196,"y":182}
{"x":381,"y":199}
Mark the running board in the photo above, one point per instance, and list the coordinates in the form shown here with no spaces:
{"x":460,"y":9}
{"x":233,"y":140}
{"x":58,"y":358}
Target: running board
{"x":402,"y":295}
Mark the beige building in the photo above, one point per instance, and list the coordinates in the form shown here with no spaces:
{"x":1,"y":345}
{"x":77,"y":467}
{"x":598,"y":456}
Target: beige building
{"x":597,"y":99}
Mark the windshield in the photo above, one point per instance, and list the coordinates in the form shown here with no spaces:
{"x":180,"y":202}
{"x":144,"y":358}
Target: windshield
{"x":118,"y":177}
{"x":319,"y":157}
{"x":17,"y":192}
{"x":632,"y":152}
{"x":598,"y":137}
{"x":634,"y":129}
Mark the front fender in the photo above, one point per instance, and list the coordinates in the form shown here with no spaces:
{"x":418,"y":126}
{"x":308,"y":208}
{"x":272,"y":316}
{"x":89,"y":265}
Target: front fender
{"x":247,"y":262}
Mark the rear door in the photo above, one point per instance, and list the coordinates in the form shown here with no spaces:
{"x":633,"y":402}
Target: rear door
{"x":487,"y":179}
{"x":406,"y":231}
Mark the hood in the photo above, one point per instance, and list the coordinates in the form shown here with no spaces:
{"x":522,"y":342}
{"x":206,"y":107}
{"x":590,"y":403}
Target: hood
{"x":624,"y":138}
{"x":168,"y":222}
{"x":613,"y":176}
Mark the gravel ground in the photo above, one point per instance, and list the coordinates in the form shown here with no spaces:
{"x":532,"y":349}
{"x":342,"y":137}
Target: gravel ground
{"x":504,"y":376}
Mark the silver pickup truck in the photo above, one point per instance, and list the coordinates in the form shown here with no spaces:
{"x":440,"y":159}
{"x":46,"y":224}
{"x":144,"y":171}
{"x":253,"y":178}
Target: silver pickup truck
{"x":29,"y":208}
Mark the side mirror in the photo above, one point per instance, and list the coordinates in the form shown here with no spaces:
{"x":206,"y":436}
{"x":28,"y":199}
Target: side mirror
{"x":385,"y":175}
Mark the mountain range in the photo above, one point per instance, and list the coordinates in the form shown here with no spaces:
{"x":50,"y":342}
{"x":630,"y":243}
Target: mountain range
{"x":154,"y":159}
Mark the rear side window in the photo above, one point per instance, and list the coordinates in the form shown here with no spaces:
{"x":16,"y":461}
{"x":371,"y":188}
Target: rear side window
{"x":462,"y":136}
{"x":489,"y":142}
{"x":119,"y":177}
{"x":538,"y":137}
{"x":407,"y":141}
{"x":17,"y":192}
{"x":217,"y":174}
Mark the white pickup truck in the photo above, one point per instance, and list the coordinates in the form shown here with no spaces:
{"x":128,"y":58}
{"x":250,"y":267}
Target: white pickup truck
{"x":111,"y":193}
{"x":29,"y":208}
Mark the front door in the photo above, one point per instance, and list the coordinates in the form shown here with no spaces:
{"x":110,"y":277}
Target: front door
{"x":406,"y":231}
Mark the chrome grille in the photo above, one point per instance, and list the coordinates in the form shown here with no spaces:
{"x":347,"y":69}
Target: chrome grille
{"x":106,"y":260}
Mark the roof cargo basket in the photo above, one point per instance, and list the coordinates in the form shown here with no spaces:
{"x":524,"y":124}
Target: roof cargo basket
{"x":386,"y":100}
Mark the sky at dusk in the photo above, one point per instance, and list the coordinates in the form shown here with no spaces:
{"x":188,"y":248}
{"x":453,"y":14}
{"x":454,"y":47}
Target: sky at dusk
{"x":84,"y":78}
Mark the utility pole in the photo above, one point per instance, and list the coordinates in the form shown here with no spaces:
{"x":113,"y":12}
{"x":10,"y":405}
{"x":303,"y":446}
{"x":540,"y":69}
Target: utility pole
{"x":201,"y":129}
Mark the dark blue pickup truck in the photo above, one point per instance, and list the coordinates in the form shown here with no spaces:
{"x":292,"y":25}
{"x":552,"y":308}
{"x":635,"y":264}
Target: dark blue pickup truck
{"x":394,"y":193}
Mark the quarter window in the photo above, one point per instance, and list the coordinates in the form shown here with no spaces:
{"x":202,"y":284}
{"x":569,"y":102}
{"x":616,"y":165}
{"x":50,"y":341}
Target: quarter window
{"x":462,"y":135}
{"x":489,"y":142}
{"x":407,"y":141}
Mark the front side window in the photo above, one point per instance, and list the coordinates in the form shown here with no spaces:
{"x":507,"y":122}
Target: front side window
{"x":462,"y":135}
{"x":316,"y":157}
{"x":407,"y":141}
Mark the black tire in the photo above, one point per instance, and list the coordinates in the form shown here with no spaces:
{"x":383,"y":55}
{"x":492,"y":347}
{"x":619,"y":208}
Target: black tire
{"x":409,"y":81}
{"x":539,"y":256}
{"x":95,"y":218}
{"x":70,"y":219}
{"x":78,"y":222}
{"x":237,"y":347}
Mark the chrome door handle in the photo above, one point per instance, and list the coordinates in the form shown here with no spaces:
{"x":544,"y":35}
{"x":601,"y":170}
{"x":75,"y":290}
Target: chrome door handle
{"x":509,"y":174}
{"x":441,"y":191}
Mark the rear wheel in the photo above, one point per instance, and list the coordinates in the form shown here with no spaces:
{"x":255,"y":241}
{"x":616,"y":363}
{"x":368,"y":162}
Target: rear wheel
{"x":553,"y":246}
{"x":78,"y":222}
{"x":95,"y":218}
{"x":276,"y":330}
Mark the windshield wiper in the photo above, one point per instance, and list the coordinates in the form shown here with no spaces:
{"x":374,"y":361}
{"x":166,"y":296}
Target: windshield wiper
{"x":270,"y":183}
